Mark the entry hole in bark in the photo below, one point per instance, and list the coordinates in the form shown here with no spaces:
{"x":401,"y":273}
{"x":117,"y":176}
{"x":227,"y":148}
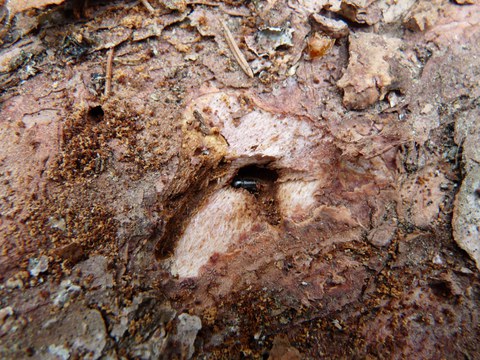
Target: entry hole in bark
{"x":261,"y":182}
{"x":201,"y":151}
{"x":96,"y":114}
{"x":477,"y":193}
{"x":441,"y":288}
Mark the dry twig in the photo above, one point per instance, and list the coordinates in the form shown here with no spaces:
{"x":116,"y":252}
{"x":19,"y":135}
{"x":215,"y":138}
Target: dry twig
{"x":385,"y":149}
{"x":108,"y":77}
{"x":236,"y":51}
{"x":148,"y":6}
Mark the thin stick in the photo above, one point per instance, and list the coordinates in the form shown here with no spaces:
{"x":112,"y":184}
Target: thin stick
{"x":385,"y":149}
{"x":148,"y":6}
{"x":236,"y":51}
{"x":108,"y":77}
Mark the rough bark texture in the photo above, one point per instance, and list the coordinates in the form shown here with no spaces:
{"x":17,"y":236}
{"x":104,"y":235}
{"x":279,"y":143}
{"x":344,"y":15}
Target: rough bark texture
{"x":316,"y":210}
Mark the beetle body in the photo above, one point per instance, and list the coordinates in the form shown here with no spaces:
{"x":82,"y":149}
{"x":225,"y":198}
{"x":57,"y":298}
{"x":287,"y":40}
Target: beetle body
{"x":250,"y":185}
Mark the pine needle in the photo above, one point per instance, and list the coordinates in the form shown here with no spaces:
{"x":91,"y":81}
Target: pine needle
{"x":236,"y":51}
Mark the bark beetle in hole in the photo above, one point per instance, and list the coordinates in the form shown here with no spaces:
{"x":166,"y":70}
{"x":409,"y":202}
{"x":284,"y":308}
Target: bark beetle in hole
{"x":254,"y":179}
{"x":248,"y":184}
{"x":261,"y":182}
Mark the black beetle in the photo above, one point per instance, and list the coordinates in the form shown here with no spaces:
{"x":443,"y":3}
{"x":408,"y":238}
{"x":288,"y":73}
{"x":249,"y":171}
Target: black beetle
{"x":250,"y":185}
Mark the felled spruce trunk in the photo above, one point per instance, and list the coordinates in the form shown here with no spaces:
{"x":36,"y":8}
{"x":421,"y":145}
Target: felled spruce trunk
{"x":265,"y":179}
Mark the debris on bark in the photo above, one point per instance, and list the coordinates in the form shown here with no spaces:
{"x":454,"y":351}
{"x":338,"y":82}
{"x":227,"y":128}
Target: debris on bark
{"x":17,"y":6}
{"x":282,"y":350}
{"x":465,"y":2}
{"x":266,"y":41}
{"x":423,"y":16}
{"x":333,"y":28}
{"x":187,"y":329}
{"x":319,"y":45}
{"x":37,"y":266}
{"x":376,"y":66}
{"x":466,"y":214}
{"x":361,"y":11}
{"x":175,"y":188}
